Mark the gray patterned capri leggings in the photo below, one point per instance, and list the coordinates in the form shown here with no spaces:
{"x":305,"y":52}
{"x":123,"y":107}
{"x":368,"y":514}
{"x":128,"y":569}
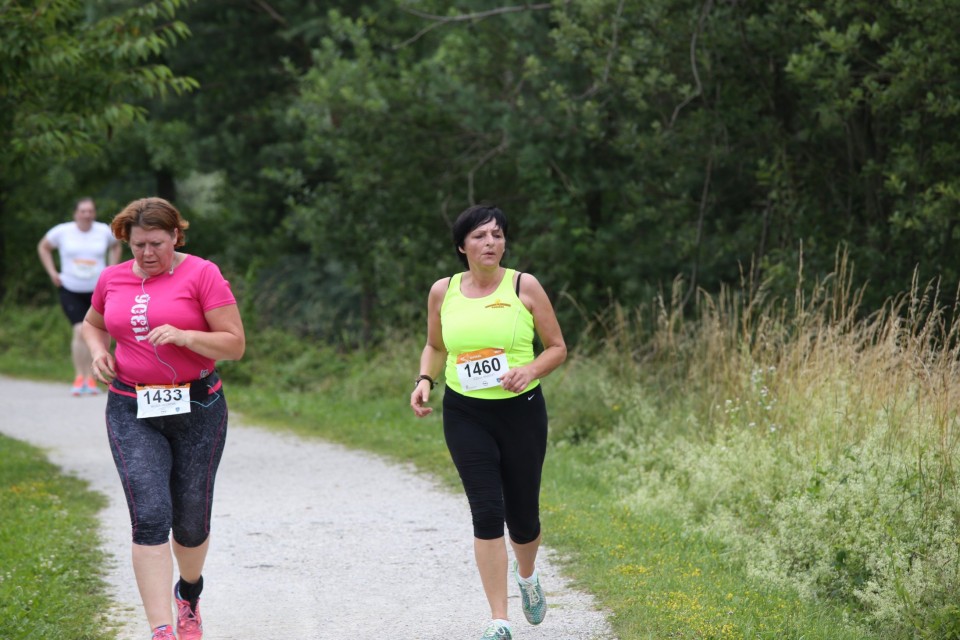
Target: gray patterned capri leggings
{"x":168,"y":464}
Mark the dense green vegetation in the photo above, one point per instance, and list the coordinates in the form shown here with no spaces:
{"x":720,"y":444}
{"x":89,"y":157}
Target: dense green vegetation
{"x":327,"y":146}
{"x":678,"y":174}
{"x":51,"y":581}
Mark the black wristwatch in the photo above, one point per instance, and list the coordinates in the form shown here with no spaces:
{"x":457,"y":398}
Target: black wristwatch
{"x":424,"y":377}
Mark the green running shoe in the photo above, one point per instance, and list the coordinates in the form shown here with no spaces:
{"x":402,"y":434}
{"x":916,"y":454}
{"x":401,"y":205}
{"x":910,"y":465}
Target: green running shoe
{"x":496,"y":631}
{"x":534,"y":602}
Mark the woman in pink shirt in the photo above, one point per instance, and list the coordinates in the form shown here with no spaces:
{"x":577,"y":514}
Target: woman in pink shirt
{"x":172,"y":316}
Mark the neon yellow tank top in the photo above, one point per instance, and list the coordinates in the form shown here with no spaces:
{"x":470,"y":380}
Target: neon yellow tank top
{"x":496,"y":321}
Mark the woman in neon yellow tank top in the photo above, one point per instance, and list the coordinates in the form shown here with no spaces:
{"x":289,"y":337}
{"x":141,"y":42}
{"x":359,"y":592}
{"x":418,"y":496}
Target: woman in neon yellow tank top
{"x":480,"y":330}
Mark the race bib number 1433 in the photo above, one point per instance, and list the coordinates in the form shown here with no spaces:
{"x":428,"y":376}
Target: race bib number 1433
{"x":154,"y":400}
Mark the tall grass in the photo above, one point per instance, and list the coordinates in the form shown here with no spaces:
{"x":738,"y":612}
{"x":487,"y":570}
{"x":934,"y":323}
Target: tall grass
{"x":817,"y":440}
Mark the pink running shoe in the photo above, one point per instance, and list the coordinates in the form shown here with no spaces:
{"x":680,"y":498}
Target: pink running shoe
{"x":163,"y":633}
{"x":189,"y":626}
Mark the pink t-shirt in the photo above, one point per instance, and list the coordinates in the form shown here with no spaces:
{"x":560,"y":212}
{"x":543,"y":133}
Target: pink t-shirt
{"x":132,"y":306}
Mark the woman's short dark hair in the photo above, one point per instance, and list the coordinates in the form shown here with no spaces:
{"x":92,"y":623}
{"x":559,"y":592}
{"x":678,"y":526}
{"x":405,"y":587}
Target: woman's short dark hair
{"x":471,"y":218}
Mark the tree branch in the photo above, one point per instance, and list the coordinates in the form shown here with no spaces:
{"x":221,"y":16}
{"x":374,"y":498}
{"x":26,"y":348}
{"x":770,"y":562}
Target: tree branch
{"x":567,"y":184}
{"x":693,"y":62}
{"x":270,"y":11}
{"x":439,"y":21}
{"x":489,"y":155}
{"x":757,"y":271}
{"x":704,"y":201}
{"x":596,"y":86}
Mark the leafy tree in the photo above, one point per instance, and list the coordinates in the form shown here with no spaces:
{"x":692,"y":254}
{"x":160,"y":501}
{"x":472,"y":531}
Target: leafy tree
{"x":223,"y":150}
{"x":70,"y":78}
{"x":881,"y":81}
{"x":328,"y":149}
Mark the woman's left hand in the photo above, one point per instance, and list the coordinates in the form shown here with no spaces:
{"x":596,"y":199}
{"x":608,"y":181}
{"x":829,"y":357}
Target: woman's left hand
{"x":516,"y":380}
{"x":167,"y":334}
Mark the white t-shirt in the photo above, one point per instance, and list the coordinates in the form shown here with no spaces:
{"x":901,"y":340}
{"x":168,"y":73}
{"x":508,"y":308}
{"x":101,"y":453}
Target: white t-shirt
{"x":82,"y":253}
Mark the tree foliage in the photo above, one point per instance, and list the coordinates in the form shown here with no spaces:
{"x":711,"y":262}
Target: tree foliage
{"x":328,"y":148}
{"x":71,"y":74}
{"x":71,"y":77}
{"x":322,"y":151}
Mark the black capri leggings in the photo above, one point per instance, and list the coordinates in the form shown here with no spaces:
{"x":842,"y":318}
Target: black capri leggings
{"x":498,"y":447}
{"x":168,"y":464}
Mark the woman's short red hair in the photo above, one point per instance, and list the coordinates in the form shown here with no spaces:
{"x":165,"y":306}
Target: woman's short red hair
{"x":150,"y":213}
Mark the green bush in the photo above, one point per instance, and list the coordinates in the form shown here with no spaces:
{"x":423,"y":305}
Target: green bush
{"x":35,"y":341}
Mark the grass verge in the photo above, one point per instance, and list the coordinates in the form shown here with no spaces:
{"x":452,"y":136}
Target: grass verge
{"x":50,"y":566}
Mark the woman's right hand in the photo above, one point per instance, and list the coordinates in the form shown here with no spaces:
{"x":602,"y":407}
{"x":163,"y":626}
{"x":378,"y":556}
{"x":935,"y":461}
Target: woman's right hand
{"x":104,"y":367}
{"x":419,"y":399}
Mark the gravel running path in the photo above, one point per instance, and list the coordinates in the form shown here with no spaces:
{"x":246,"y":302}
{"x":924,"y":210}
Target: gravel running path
{"x":310,"y":540}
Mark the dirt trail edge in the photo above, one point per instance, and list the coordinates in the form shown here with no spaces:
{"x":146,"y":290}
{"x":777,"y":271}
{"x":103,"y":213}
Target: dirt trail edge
{"x":309,"y":540}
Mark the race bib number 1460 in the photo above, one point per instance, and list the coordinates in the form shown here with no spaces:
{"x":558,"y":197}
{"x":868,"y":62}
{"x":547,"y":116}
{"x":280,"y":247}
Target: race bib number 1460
{"x":481,"y":369}
{"x":154,"y":400}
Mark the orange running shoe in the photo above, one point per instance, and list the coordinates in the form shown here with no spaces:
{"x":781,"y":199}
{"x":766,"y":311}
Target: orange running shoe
{"x":77,"y":387}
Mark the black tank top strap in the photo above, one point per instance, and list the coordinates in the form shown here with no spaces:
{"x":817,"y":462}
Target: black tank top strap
{"x":519,"y":275}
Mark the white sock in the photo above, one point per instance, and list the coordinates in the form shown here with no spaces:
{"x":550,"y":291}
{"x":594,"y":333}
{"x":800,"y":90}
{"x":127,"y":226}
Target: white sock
{"x":533,"y":576}
{"x":502,"y":623}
